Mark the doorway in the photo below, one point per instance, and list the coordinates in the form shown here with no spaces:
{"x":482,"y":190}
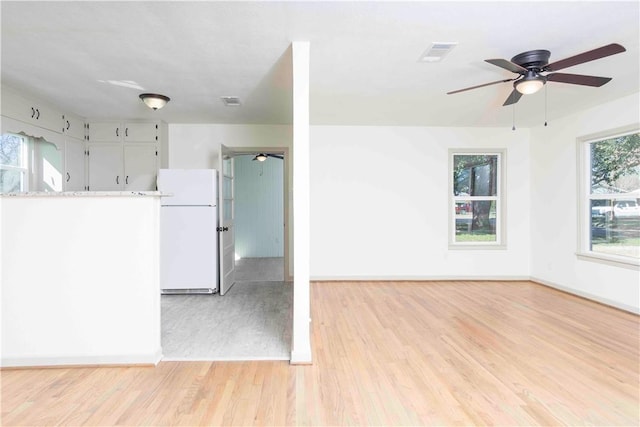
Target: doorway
{"x":253,"y":320}
{"x":259,"y":217}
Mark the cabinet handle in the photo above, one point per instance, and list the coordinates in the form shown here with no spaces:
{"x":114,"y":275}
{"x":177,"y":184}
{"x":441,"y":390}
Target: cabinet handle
{"x":68,"y":125}
{"x":117,"y":132}
{"x":126,"y":131}
{"x":38,"y":116}
{"x":33,"y":112}
{"x":118,"y":179}
{"x":126,"y":180}
{"x":68,"y":177}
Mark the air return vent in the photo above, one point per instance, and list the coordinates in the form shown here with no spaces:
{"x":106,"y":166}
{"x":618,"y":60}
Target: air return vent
{"x":437,"y":51}
{"x":231,"y":101}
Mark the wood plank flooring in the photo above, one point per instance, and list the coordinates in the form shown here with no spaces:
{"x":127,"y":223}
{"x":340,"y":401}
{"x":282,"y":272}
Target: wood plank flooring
{"x":402,"y":353}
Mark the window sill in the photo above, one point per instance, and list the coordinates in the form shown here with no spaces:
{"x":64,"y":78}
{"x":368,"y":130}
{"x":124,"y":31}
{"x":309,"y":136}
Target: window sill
{"x":477,"y":246}
{"x":613,"y":260}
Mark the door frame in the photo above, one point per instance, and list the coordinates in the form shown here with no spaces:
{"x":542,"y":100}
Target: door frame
{"x":284,"y":151}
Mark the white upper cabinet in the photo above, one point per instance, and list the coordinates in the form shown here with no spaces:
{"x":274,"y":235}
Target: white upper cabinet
{"x":105,"y":167}
{"x":140,"y":132}
{"x":74,"y":157}
{"x":123,"y":132}
{"x":105,"y":132}
{"x":140,"y":167}
{"x":30,"y":111}
{"x":73,"y":126}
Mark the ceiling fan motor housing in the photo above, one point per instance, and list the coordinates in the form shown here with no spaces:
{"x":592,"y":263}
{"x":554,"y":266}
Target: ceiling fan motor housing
{"x":533,"y":59}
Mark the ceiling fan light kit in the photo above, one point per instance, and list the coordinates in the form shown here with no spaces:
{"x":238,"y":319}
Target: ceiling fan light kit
{"x":531,"y":83}
{"x":154,"y":100}
{"x":260,"y":157}
{"x":531,"y":64}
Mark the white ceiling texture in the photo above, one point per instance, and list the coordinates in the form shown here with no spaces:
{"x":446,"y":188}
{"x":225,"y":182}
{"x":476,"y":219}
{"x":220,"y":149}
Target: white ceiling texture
{"x":95,"y":58}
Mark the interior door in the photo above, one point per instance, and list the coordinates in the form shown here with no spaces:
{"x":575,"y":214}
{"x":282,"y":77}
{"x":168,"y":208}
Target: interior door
{"x":226,"y":206}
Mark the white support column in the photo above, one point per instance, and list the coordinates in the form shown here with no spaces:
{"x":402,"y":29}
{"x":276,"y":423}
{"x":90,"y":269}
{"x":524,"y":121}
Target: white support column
{"x":301,"y":345}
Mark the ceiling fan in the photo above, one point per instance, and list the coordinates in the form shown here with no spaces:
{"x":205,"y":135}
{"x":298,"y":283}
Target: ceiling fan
{"x":261,"y":157}
{"x":531,"y":64}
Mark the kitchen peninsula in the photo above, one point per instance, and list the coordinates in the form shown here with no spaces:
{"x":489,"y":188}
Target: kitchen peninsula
{"x":80,"y":278}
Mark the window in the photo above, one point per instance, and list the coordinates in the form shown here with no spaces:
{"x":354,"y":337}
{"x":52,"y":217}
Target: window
{"x":14,"y":163}
{"x":476,"y":198}
{"x":610,"y":208}
{"x":29,"y":164}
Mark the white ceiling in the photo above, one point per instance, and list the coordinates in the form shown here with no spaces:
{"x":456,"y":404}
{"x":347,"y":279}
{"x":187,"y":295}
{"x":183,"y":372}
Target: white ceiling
{"x":364,"y":58}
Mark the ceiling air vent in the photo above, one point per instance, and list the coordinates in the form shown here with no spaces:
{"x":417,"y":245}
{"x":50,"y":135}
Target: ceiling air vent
{"x":437,"y":51}
{"x":230,"y":101}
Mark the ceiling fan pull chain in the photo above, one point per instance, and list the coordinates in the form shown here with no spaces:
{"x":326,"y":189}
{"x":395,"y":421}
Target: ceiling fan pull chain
{"x":545,"y":104}
{"x":514,"y":117}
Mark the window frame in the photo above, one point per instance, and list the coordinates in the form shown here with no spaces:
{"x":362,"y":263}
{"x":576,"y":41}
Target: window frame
{"x":584,"y":251}
{"x":500,"y":200}
{"x":26,"y":161}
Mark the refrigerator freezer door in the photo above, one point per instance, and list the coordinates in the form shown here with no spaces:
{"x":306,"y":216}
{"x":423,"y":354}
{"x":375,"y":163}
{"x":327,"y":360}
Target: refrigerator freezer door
{"x":189,"y":187}
{"x":188,"y":248}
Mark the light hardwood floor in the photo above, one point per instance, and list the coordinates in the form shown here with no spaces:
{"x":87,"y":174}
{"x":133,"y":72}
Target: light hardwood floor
{"x":437,"y":353}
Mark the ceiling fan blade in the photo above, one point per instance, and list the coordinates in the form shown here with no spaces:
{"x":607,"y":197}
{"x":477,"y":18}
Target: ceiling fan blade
{"x":507,"y":65}
{"x":578,"y":79}
{"x":514,"y":97}
{"x":601,"y":52}
{"x":483,"y":85}
{"x":277,"y":156}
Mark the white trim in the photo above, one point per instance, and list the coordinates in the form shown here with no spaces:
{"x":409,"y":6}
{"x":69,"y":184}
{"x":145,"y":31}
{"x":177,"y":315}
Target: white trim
{"x":584,"y":252}
{"x":500,"y":200}
{"x":415,"y":278}
{"x":616,"y":261}
{"x":301,"y":358}
{"x":123,"y":359}
{"x":586,"y":295}
{"x":9,"y":125}
{"x":224,"y":359}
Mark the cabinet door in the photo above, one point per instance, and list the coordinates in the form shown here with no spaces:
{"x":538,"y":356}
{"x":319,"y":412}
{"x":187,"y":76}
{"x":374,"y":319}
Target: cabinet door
{"x":140,"y":132}
{"x":105,"y":167}
{"x":73,"y":126}
{"x":105,"y":132}
{"x":29,"y":111}
{"x":74,"y":164}
{"x":141,"y":167}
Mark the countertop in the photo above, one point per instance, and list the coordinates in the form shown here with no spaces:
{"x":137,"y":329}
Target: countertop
{"x":87,"y":194}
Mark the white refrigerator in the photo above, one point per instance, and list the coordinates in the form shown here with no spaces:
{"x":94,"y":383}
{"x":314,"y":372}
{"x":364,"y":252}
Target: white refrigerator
{"x":188,"y":231}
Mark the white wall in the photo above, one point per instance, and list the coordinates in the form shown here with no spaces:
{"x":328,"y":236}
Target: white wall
{"x":379,"y":203}
{"x":80,"y":280}
{"x":195,"y":146}
{"x":554,"y":201}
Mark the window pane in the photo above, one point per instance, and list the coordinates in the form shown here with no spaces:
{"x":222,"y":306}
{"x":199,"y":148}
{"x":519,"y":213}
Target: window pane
{"x":615,"y":227}
{"x":11,"y":150}
{"x":476,"y":221}
{"x":615,"y":165}
{"x":11,"y":181}
{"x":475,"y":175}
{"x":227,"y":210}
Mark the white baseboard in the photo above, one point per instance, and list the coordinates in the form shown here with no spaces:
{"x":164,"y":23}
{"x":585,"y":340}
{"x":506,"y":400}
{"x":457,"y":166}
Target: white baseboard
{"x":413,"y":278}
{"x":596,"y":298}
{"x":98,"y":360}
{"x":301,"y":357}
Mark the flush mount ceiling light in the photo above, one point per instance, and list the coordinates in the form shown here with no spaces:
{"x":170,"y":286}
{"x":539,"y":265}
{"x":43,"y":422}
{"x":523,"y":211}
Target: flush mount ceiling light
{"x":260,"y":157}
{"x":155,"y":101}
{"x":531,"y":83}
